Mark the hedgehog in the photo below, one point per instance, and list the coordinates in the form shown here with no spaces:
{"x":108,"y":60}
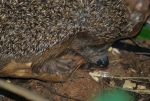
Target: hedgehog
{"x":40,"y":31}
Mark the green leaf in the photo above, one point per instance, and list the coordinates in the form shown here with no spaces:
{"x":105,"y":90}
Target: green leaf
{"x":144,"y":33}
{"x":114,"y":95}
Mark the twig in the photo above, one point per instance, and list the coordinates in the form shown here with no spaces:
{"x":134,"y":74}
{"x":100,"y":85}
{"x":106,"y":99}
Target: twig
{"x":118,"y":60}
{"x":142,"y":53}
{"x":21,"y":91}
{"x":131,"y":77}
{"x":135,"y":42}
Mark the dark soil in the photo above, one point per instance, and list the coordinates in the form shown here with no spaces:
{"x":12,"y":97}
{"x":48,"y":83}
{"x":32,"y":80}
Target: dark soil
{"x":80,"y":86}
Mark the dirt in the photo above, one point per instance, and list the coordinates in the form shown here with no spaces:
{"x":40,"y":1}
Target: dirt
{"x":80,"y":86}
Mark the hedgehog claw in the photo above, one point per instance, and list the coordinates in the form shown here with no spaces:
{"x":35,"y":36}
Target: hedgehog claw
{"x":60,"y":66}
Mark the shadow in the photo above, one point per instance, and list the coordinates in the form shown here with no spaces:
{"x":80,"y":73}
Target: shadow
{"x":11,"y":95}
{"x":131,"y":48}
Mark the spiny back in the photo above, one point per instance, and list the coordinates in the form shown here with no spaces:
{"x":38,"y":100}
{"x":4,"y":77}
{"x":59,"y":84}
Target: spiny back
{"x":30,"y":27}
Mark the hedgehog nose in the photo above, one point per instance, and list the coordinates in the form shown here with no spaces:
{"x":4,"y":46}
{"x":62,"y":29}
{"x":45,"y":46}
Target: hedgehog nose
{"x":103,"y":62}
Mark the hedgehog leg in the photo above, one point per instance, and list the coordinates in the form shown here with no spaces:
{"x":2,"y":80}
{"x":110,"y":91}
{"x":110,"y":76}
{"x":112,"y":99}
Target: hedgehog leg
{"x":59,"y":65}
